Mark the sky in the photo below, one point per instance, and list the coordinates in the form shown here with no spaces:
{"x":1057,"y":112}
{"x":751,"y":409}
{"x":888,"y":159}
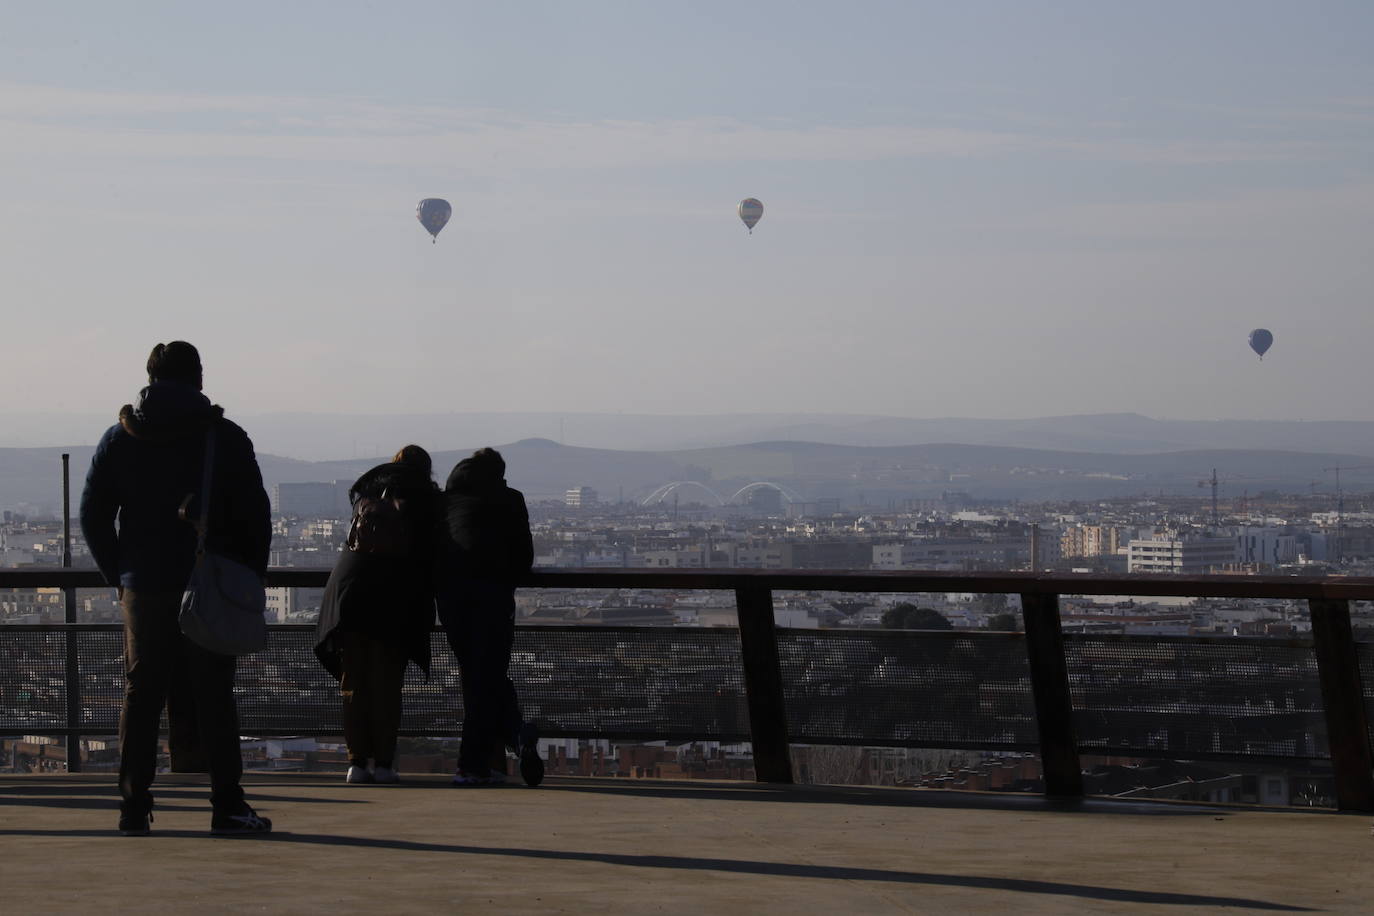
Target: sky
{"x":982,"y":209}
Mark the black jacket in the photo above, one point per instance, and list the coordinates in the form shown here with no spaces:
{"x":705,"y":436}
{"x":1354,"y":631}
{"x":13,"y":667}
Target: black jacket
{"x":485,"y":531}
{"x":142,"y":470}
{"x":391,"y":599}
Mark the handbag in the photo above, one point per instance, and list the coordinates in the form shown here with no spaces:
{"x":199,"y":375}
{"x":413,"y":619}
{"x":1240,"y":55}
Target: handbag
{"x":223,"y":607}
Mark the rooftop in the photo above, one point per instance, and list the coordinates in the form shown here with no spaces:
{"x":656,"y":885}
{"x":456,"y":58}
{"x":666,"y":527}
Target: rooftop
{"x":622,"y":845}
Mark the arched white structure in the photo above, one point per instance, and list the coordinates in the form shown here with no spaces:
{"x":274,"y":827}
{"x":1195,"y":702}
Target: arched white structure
{"x":662,"y":492}
{"x":748,"y":488}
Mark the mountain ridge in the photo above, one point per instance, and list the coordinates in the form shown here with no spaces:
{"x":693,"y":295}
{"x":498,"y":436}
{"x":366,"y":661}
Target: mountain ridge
{"x":323,"y":436}
{"x":545,"y":469}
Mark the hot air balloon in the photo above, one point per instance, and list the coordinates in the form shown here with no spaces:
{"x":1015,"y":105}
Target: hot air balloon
{"x":1260,"y":341}
{"x":751,"y":211}
{"x":433,"y":214}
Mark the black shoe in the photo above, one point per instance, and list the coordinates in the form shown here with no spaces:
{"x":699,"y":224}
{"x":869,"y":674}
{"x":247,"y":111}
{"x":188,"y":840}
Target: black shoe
{"x":242,"y":822}
{"x":135,"y":824}
{"x":531,"y":766}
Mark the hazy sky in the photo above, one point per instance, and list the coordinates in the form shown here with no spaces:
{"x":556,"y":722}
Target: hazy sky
{"x":973,"y":209}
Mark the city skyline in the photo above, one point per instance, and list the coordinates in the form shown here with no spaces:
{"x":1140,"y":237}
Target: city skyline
{"x":987,"y":211}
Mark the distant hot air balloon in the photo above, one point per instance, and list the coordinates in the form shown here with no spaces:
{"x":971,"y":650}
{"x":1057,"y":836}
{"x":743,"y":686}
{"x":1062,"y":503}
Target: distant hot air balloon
{"x":433,"y":214}
{"x":751,"y":211}
{"x":1260,"y":341}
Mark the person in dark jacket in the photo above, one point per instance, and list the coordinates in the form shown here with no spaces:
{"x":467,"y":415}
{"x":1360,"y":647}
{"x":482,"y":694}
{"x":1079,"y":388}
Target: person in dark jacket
{"x":378,"y":609}
{"x":143,"y":469}
{"x":484,"y":547}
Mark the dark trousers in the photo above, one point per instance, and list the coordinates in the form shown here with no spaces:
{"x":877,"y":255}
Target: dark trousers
{"x":373,"y":673}
{"x":161,"y":664}
{"x":479,"y":620}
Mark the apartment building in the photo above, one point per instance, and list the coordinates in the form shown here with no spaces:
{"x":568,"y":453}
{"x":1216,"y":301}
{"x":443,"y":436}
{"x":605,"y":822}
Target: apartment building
{"x":1174,"y":555}
{"x":580,"y":498}
{"x":1089,"y":541}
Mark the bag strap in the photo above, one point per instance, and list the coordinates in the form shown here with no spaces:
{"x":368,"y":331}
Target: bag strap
{"x":202,"y":525}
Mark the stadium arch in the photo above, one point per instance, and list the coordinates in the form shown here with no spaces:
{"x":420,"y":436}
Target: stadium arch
{"x":662,"y":492}
{"x":758,"y":484}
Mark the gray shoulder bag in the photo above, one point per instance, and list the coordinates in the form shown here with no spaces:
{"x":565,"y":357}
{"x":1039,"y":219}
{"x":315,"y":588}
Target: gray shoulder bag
{"x":223,"y":606}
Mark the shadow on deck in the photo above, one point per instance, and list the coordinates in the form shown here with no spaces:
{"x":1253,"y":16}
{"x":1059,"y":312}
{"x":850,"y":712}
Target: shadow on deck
{"x":635,"y":846}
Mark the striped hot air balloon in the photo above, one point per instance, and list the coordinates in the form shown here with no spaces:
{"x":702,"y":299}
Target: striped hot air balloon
{"x":751,"y":211}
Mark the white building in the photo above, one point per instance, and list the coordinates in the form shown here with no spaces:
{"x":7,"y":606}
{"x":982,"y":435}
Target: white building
{"x":1265,"y":546}
{"x":580,"y":498}
{"x":286,"y":603}
{"x":1172,"y":555}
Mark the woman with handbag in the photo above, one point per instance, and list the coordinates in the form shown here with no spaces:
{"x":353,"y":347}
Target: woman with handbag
{"x":378,"y":607}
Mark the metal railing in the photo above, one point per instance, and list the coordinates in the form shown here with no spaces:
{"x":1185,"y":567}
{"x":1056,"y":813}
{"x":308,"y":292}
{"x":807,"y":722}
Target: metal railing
{"x":1058,"y":696}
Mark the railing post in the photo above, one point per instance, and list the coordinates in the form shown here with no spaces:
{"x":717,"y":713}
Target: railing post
{"x":1347,"y":723}
{"x":1049,"y":673}
{"x":73,"y":675}
{"x":763,"y":684}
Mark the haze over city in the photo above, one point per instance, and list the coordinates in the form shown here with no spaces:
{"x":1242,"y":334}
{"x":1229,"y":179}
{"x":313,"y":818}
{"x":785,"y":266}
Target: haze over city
{"x":989,"y":210}
{"x":889,"y":455}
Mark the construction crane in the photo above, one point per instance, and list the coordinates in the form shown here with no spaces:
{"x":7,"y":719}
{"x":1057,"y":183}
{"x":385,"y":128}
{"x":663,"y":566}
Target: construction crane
{"x":1216,"y":481}
{"x":1340,"y":503}
{"x":1216,"y":517}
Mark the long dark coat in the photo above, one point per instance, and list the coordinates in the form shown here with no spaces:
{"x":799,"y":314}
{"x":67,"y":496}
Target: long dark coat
{"x":391,"y":599}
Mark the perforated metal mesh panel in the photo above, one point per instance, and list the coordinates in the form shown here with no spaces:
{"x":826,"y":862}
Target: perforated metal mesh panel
{"x":644,"y":682}
{"x":1366,"y":655}
{"x":284,"y":691}
{"x":907,"y":689}
{"x":100,"y":655}
{"x":579,"y":681}
{"x":650,"y":683}
{"x":1174,"y":696}
{"x":33,"y":692}
{"x":1186,"y":696}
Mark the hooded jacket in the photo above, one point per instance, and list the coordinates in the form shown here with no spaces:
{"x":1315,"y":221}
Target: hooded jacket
{"x":485,"y":532}
{"x":145,"y":466}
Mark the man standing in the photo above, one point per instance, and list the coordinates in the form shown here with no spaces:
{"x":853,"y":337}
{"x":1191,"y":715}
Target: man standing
{"x":143,"y":470}
{"x":484,"y":547}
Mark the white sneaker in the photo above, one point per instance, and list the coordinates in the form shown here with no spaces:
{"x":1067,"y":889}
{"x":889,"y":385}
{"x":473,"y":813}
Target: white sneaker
{"x":358,"y":775}
{"x":386,"y":775}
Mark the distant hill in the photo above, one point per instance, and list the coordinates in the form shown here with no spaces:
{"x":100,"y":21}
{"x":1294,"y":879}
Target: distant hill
{"x":811,"y":470}
{"x":322,"y":436}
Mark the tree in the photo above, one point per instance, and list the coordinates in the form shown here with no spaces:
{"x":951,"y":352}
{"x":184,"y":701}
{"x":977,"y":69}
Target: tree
{"x":894,"y":618}
{"x":993,"y":602}
{"x":907,"y":616}
{"x":1004,"y":621}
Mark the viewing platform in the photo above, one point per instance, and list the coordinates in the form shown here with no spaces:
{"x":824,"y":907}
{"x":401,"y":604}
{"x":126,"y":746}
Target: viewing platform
{"x":1239,"y":701}
{"x":581,"y":844}
{"x":634,"y":845}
